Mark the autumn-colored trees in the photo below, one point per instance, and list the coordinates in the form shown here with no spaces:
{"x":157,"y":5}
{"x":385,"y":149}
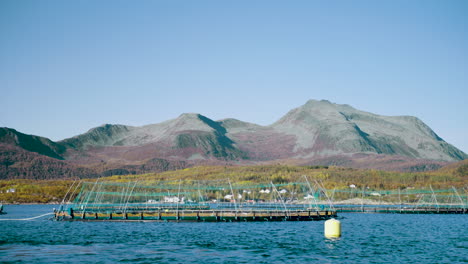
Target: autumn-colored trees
{"x":46,"y":191}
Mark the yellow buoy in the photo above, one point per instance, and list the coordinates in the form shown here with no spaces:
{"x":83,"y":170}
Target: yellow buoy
{"x":332,"y":228}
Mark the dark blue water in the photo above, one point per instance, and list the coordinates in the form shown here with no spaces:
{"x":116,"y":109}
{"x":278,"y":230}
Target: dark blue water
{"x":367,"y":238}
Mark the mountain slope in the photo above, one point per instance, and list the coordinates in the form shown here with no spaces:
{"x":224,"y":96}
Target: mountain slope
{"x":18,"y":163}
{"x":105,"y":135}
{"x":259,"y":143}
{"x":190,"y":136}
{"x":323,"y":128}
{"x":317,"y":133}
{"x":36,"y":144}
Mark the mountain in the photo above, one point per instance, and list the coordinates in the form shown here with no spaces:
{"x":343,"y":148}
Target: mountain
{"x":40,"y":145}
{"x":323,"y":128}
{"x":321,"y":131}
{"x":457,"y":168}
{"x":16,"y":162}
{"x":317,"y":133}
{"x":188,"y":137}
{"x":105,"y":135}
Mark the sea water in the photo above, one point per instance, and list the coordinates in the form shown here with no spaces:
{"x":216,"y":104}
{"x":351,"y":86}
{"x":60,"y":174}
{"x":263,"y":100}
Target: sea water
{"x":366,"y":238}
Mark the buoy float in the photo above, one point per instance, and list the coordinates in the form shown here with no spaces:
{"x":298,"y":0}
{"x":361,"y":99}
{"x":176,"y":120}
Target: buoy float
{"x":332,"y":228}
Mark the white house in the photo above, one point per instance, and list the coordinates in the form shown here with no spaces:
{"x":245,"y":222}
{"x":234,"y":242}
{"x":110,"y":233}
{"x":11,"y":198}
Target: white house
{"x":173,"y":199}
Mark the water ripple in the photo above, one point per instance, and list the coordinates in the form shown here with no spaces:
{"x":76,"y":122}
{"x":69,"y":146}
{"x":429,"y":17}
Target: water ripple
{"x":367,"y":238}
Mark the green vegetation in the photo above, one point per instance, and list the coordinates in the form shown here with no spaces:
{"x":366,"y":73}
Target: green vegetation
{"x":46,"y":191}
{"x":33,"y":191}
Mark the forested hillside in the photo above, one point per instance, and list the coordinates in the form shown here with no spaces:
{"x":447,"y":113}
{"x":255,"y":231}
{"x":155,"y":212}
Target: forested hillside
{"x":45,"y":191}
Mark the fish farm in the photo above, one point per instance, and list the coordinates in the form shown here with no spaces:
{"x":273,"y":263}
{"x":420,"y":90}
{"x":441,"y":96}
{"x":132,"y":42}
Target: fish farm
{"x":223,"y":201}
{"x":195,"y":201}
{"x":408,"y":201}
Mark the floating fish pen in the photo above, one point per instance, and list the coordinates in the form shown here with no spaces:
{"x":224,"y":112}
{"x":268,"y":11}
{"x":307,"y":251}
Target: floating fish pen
{"x":408,"y":201}
{"x":397,"y":209}
{"x":195,"y":201}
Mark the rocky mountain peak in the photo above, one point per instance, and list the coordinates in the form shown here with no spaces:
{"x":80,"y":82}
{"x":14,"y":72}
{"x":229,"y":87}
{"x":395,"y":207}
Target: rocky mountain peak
{"x":344,"y":129}
{"x":318,"y":131}
{"x":104,"y":135}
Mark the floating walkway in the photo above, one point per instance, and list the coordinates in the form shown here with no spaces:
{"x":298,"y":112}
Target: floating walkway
{"x":403,"y":210}
{"x":173,"y":215}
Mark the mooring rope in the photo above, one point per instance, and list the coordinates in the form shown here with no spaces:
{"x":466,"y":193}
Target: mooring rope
{"x":27,"y":219}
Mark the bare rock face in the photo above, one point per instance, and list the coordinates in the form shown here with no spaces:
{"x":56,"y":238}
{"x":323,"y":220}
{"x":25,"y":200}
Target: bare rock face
{"x":319,"y":132}
{"x":105,"y":135}
{"x":186,"y":137}
{"x":323,"y":128}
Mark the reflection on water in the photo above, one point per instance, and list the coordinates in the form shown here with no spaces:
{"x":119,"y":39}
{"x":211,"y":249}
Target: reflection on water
{"x":332,"y":243}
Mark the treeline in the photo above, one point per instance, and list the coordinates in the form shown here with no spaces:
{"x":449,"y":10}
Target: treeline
{"x":16,"y":163}
{"x":46,"y":191}
{"x":331,"y":177}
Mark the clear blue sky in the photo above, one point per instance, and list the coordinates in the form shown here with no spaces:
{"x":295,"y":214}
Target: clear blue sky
{"x":68,"y":66}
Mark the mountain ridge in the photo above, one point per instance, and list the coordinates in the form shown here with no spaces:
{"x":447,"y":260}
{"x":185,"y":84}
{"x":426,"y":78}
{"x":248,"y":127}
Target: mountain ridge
{"x":318,"y":131}
{"x":37,"y":144}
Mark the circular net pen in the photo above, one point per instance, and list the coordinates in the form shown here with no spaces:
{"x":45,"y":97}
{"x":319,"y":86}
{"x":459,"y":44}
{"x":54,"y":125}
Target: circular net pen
{"x":205,"y":201}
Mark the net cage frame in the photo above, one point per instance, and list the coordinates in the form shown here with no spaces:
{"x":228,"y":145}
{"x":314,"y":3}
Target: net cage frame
{"x":223,"y":194}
